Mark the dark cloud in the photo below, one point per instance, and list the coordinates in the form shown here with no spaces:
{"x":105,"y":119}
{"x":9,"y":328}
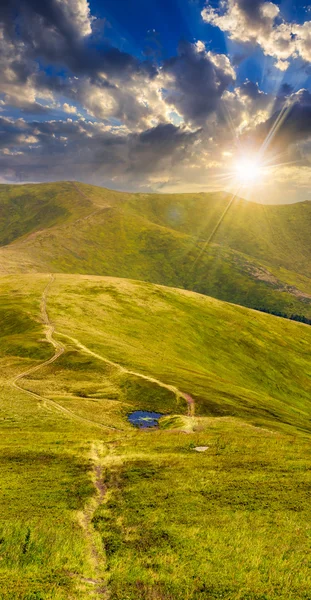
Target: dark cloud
{"x":166,"y":142}
{"x":250,"y":90}
{"x":35,"y":34}
{"x":289,"y":125}
{"x":56,"y":32}
{"x":87,"y":151}
{"x":255,"y":97}
{"x":104,"y":80}
{"x":19,"y":15}
{"x":86,"y":75}
{"x":59,"y":34}
{"x":252,"y":8}
{"x":197,"y":82}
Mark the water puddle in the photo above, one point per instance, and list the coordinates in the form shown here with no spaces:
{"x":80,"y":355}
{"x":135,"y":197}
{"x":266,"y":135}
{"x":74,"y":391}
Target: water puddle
{"x":144,"y":419}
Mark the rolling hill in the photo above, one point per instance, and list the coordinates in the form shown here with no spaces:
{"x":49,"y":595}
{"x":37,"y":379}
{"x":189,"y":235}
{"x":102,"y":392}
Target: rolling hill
{"x":93,"y":507}
{"x":100,"y":316}
{"x":259,"y":256}
{"x":230,"y":360}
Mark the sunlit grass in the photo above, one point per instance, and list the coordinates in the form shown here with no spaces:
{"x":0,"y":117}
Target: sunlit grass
{"x":232,"y":522}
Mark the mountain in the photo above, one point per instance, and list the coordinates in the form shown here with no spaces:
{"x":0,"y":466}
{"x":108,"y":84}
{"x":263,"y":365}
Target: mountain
{"x":93,"y":507}
{"x":251,"y":254}
{"x":229,"y":359}
{"x":100,"y":316}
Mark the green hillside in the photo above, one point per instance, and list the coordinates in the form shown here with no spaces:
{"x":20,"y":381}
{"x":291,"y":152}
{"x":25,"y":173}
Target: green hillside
{"x":230,"y":360}
{"x":93,"y":508}
{"x":258,"y":257}
{"x":90,"y":331}
{"x":25,"y":209}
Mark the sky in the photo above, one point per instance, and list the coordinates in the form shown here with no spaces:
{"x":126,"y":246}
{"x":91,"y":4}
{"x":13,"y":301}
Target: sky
{"x":158,"y":95}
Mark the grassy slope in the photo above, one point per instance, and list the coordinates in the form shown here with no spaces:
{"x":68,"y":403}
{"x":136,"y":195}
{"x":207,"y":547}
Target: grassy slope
{"x":233,"y":361}
{"x":276,"y":234}
{"x":25,"y":209}
{"x":162,"y":239}
{"x":45,"y":467}
{"x":232,"y":523}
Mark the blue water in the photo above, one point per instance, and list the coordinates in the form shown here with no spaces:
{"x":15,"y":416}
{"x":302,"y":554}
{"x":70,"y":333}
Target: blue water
{"x":144,"y":419}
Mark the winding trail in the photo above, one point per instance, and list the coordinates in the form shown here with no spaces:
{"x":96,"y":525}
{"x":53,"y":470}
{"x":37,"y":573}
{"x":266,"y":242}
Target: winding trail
{"x":171,"y":388}
{"x":49,"y":331}
{"x":96,"y":585}
{"x":59,"y":350}
{"x":93,"y":540}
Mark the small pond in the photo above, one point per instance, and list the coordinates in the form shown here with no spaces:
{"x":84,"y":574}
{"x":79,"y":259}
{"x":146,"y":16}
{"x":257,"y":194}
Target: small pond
{"x":144,"y":419}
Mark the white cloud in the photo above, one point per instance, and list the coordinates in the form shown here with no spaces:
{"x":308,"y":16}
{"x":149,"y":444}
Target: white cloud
{"x":79,"y":14}
{"x":259,"y":23}
{"x":69,"y":109}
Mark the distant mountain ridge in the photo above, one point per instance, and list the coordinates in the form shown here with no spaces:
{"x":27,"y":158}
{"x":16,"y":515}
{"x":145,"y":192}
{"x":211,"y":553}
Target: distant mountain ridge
{"x":257,"y":255}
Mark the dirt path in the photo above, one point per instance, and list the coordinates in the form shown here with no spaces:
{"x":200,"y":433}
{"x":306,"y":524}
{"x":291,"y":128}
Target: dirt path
{"x":191,"y":405}
{"x":95,"y":586}
{"x":59,"y":349}
{"x":49,"y":330}
{"x":95,"y":547}
{"x":172,"y":388}
{"x":98,"y":561}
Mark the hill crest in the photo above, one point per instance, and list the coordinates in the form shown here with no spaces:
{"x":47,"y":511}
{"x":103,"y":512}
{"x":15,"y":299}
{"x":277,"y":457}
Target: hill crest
{"x":254,"y":255}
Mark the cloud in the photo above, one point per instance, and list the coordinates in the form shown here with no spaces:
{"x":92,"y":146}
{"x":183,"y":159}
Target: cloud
{"x":68,"y":18}
{"x":109,"y":82}
{"x":284,"y":136}
{"x":162,"y":146}
{"x":69,"y":109}
{"x":90,"y":151}
{"x":165,"y":157}
{"x":173,"y":123}
{"x":60,"y":32}
{"x":259,"y":22}
{"x":290,"y":125}
{"x":196,"y":80}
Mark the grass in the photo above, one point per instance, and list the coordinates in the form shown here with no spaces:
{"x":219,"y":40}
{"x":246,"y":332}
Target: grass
{"x":26,"y":209}
{"x":93,"y":508}
{"x":45,"y":469}
{"x":232,"y":522}
{"x":45,"y":481}
{"x":252,"y":260}
{"x":229,"y":359}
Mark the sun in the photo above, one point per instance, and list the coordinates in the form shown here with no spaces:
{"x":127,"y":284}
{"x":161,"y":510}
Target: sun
{"x":248,"y":170}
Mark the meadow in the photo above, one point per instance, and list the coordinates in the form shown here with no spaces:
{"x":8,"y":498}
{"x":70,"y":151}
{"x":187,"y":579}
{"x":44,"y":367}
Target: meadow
{"x":94,"y":508}
{"x":258,"y":257}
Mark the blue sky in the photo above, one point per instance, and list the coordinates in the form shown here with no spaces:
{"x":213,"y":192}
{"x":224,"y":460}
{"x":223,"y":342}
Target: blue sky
{"x":164,"y":95}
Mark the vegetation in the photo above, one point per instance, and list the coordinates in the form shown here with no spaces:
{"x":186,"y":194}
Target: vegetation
{"x":259,"y":256}
{"x":277,"y":313}
{"x":91,"y":506}
{"x":25,"y":209}
{"x":232,"y":522}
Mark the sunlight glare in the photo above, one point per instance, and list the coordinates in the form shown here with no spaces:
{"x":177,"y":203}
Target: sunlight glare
{"x":248,"y":170}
